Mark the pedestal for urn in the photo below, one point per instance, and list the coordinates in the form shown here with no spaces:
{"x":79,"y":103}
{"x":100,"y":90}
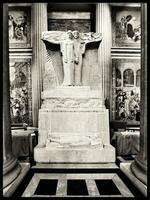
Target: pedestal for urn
{"x":73,"y":121}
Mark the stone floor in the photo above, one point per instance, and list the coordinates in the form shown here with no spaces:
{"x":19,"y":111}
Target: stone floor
{"x":76,"y":180}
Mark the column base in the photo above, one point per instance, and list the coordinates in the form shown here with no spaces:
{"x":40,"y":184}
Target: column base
{"x":10,"y":189}
{"x":11,"y":175}
{"x":126,"y":169}
{"x":139,"y":169}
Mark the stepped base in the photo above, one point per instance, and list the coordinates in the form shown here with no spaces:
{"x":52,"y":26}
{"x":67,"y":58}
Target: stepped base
{"x":50,"y":154}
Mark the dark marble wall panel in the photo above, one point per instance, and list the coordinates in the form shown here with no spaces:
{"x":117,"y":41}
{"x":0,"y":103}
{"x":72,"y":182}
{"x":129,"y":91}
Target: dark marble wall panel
{"x":82,"y":25}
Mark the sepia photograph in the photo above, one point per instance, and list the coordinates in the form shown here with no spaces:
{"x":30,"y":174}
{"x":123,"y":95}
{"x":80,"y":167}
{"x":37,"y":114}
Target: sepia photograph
{"x":74,"y":100}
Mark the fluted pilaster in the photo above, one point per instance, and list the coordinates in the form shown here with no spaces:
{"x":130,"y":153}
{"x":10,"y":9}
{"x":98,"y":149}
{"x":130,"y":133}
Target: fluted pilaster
{"x":139,"y":166}
{"x":11,"y":167}
{"x":39,"y":24}
{"x":103,"y":25}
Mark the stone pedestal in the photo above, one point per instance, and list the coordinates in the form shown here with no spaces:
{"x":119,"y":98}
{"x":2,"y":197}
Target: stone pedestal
{"x":73,"y":121}
{"x":73,"y":127}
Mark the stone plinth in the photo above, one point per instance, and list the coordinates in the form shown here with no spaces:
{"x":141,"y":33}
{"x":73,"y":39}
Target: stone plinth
{"x":73,"y":127}
{"x":75,"y":155}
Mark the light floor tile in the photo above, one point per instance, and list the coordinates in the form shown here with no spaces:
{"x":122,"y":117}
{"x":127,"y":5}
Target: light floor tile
{"x":121,"y":186}
{"x":92,"y":188}
{"x":61,"y":187}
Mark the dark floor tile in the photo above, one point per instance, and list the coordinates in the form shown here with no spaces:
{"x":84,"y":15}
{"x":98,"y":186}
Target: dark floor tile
{"x":76,"y":187}
{"x":107,"y":187}
{"x":46,"y":187}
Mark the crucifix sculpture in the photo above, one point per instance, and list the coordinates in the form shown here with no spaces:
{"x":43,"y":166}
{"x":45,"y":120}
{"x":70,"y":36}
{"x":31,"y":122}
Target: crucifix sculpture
{"x":72,"y":46}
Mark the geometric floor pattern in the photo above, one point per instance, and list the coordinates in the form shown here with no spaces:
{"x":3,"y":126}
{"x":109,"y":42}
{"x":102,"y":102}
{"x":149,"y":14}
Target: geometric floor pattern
{"x":73,"y":185}
{"x":76,"y":180}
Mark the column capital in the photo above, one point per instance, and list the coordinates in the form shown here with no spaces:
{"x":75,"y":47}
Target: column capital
{"x":139,"y":169}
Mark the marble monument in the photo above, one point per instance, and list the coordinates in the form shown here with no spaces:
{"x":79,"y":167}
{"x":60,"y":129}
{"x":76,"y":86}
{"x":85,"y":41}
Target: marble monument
{"x":73,"y":120}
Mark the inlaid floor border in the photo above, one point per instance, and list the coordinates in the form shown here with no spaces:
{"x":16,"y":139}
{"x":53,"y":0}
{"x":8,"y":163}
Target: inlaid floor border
{"x":62,"y":180}
{"x":22,"y":187}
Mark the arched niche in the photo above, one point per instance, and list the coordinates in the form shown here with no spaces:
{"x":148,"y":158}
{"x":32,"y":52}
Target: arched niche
{"x":128,"y":78}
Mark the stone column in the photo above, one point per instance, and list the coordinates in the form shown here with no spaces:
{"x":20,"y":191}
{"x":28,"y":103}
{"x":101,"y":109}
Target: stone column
{"x":103,"y":25}
{"x":11,"y":167}
{"x":39,"y":24}
{"x":139,"y":166}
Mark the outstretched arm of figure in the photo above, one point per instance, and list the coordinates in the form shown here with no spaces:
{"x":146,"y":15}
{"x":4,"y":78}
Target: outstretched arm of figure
{"x":51,"y":41}
{"x":94,"y":40}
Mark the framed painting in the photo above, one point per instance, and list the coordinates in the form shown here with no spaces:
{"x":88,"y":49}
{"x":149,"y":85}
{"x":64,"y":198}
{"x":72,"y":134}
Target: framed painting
{"x":20,"y":91}
{"x":126,"y":26}
{"x":126,"y":89}
{"x":19,"y":23}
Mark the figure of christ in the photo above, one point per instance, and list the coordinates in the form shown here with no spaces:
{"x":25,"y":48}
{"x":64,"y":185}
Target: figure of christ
{"x":67,"y":50}
{"x":79,"y":50}
{"x":72,"y":49}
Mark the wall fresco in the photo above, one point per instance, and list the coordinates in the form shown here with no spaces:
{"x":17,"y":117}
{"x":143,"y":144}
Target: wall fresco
{"x":20,"y":92}
{"x":19,"y":20}
{"x":126,"y":89}
{"x":126,"y":27}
